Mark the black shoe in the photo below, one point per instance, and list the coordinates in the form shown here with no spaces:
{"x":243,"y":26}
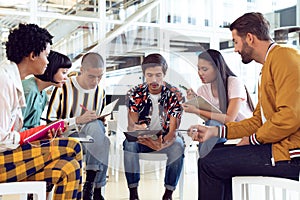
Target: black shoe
{"x":88,"y":191}
{"x":167,"y":195}
{"x":97,"y":194}
{"x":133,"y":194}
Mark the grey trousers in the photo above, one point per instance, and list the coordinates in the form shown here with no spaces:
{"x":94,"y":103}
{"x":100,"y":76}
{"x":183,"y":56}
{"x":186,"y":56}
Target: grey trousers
{"x":97,"y":152}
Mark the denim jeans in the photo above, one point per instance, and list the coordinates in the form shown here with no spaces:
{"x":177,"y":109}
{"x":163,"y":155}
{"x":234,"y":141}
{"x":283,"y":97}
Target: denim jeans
{"x":175,"y":154}
{"x":221,"y":164}
{"x":97,"y":152}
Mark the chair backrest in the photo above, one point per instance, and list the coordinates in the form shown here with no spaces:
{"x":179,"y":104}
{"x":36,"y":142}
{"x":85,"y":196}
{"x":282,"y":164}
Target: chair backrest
{"x":241,"y":183}
{"x":189,"y":119}
{"x":153,"y":156}
{"x":38,"y":188}
{"x":122,"y":123}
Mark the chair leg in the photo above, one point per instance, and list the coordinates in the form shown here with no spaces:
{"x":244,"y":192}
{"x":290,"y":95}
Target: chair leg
{"x":237,"y":190}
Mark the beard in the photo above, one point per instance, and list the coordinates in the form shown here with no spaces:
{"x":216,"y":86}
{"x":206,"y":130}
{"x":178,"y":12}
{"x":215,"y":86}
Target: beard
{"x":246,"y":53}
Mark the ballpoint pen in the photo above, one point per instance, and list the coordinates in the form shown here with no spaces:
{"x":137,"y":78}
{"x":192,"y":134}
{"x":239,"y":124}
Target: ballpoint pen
{"x":83,"y":107}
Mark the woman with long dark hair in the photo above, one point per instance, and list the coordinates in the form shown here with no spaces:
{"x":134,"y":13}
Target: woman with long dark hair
{"x":222,"y":88}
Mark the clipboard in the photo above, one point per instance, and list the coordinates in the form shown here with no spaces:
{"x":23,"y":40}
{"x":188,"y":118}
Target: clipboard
{"x":44,"y":132}
{"x":132,"y":136}
{"x":203,"y":104}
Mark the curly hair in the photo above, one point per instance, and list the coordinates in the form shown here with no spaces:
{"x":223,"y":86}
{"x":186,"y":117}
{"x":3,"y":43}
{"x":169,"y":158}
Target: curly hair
{"x":25,"y":39}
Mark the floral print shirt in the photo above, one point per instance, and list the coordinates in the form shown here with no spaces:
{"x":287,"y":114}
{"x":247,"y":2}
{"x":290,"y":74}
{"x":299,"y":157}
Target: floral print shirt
{"x":138,"y":100}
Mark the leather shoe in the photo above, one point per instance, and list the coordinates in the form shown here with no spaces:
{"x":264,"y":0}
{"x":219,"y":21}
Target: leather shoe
{"x":88,"y":191}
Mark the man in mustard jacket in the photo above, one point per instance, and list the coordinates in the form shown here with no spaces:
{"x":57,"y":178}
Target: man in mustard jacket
{"x":270,"y":144}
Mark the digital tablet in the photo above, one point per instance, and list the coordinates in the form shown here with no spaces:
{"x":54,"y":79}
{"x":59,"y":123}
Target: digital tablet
{"x":44,"y":132}
{"x":132,"y":136}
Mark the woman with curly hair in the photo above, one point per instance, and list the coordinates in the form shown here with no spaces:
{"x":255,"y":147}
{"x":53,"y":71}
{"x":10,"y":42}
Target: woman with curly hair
{"x":56,"y":161}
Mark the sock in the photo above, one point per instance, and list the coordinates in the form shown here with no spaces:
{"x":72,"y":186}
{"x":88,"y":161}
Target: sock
{"x":133,"y":193}
{"x":168,"y":193}
{"x":90,"y":175}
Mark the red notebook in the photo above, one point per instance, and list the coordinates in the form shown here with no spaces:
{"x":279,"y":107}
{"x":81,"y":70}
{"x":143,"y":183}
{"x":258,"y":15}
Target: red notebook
{"x":44,"y":132}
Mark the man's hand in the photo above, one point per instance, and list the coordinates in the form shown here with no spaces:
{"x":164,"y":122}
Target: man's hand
{"x":87,"y":117}
{"x":202,"y":133}
{"x":138,"y":126}
{"x":148,"y":141}
{"x":244,"y":141}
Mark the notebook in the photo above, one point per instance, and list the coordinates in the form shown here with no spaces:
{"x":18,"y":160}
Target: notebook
{"x":107,"y":109}
{"x":132,"y":136}
{"x":203,"y":104}
{"x":44,"y":132}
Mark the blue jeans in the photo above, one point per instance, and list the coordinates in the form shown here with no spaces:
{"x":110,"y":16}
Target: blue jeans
{"x":175,"y":154}
{"x":97,"y":152}
{"x":221,"y":164}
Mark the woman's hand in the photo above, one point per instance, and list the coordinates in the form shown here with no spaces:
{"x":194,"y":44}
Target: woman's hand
{"x":190,"y":94}
{"x":54,"y":133}
{"x":190,"y":108}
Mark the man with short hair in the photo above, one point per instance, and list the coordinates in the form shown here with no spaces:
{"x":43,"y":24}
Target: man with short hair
{"x":270,"y":142}
{"x":154,"y":105}
{"x":78,"y":102}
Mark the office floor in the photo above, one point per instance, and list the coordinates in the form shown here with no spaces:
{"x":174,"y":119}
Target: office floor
{"x":150,"y":187}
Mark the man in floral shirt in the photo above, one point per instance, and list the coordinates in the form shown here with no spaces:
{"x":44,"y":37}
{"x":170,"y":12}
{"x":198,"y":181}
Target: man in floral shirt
{"x":154,"y":105}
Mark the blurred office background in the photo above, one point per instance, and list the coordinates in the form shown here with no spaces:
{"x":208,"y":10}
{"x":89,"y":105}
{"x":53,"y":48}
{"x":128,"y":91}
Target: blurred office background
{"x":124,"y":31}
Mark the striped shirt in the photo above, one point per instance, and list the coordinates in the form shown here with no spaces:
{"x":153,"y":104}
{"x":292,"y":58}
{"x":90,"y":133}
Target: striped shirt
{"x":65,"y":102}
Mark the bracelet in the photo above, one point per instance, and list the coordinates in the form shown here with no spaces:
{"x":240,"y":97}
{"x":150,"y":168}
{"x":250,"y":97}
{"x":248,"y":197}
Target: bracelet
{"x":219,"y":131}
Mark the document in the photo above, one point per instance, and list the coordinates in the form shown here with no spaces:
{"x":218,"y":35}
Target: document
{"x":107,"y":109}
{"x":203,"y":104}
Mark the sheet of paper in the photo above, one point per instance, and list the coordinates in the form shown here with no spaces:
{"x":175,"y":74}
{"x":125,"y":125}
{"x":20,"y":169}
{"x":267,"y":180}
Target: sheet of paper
{"x":108,"y":108}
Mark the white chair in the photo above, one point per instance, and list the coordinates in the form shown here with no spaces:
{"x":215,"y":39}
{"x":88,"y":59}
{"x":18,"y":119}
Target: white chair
{"x":19,"y":190}
{"x":158,"y":158}
{"x":191,"y":149}
{"x":287,"y":188}
{"x":122,"y":124}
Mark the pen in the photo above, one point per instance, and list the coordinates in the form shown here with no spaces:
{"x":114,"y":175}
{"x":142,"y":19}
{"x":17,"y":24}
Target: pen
{"x":193,"y":130}
{"x":83,"y":107}
{"x":183,"y":87}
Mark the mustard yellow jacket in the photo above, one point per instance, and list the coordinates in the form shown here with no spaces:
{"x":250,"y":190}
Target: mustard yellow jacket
{"x":279,"y":97}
